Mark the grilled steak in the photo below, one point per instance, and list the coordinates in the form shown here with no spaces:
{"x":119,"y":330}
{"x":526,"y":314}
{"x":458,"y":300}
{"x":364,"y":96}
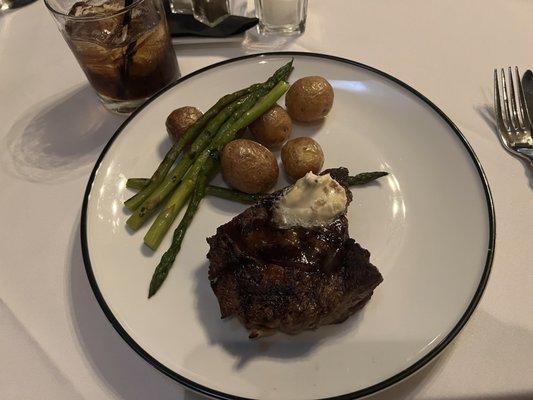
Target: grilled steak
{"x":292,"y":279}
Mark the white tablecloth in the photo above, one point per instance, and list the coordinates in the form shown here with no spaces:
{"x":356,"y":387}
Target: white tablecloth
{"x":55,"y":342}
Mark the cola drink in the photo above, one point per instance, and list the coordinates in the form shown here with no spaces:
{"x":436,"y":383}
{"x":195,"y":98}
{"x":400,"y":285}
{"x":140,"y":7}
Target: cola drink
{"x":124,"y":49}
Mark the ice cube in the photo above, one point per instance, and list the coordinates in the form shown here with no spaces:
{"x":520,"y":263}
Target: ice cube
{"x":95,"y":8}
{"x":99,"y":60}
{"x":108,"y":30}
{"x":149,"y":51}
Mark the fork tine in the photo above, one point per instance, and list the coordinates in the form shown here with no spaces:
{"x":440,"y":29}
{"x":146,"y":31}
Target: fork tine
{"x":497,"y":103}
{"x":506,"y":101}
{"x":514,"y":113}
{"x":522,"y":102}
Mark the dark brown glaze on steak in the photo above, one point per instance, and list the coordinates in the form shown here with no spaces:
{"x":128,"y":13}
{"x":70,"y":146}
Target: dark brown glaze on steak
{"x":289,"y":279}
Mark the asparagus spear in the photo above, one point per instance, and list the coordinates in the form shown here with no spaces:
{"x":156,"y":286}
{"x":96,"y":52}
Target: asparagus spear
{"x":149,"y":206}
{"x":164,"y":266}
{"x":233,"y":195}
{"x":365,"y":177}
{"x":356,"y":180}
{"x":134,"y":202}
{"x":241,"y":197}
{"x":211,"y":190}
{"x":137,"y":183}
{"x":179,"y":197}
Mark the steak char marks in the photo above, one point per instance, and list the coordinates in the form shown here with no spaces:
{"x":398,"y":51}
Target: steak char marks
{"x":289,"y":280}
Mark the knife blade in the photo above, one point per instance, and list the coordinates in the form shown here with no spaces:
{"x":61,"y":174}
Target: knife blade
{"x":527,"y":88}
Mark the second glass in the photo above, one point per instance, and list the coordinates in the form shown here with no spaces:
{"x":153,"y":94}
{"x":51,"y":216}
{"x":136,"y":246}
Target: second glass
{"x":123,"y":47}
{"x":282,"y":17}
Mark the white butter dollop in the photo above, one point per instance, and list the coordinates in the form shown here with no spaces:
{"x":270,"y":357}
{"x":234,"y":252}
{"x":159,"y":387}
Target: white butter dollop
{"x":314,"y":200}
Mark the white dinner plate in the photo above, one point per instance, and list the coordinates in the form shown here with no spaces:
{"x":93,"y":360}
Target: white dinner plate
{"x":429,"y":226}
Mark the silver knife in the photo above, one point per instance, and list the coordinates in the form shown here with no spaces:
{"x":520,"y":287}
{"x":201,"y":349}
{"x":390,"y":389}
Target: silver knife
{"x":527,"y":87}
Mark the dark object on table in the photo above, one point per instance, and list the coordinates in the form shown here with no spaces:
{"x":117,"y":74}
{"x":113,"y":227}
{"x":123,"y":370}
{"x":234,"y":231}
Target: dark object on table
{"x":289,"y":280}
{"x":185,"y":25}
{"x":12,"y":4}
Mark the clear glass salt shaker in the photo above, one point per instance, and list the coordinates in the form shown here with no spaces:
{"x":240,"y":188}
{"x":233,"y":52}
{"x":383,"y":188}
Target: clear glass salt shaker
{"x":210,"y":12}
{"x":180,"y":6}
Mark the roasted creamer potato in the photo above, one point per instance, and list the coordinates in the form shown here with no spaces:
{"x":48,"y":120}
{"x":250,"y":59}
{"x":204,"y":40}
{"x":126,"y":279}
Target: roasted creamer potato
{"x":273,"y":127}
{"x":309,"y":99}
{"x":249,"y":166}
{"x":180,"y":120}
{"x":301,"y":155}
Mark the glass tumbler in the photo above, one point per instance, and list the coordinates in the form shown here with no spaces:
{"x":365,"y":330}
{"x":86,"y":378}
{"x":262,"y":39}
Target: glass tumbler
{"x":281,"y":17}
{"x":123,"y":46}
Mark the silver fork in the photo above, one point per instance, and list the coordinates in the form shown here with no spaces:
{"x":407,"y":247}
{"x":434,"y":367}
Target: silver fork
{"x":514,"y":124}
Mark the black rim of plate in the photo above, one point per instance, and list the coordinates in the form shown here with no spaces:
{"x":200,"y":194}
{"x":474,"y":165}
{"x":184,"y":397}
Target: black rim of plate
{"x":359,"y":393}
